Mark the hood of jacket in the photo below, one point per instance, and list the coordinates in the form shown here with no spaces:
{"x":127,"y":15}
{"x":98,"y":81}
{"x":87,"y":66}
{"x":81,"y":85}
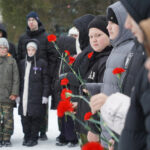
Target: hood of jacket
{"x":38,"y":46}
{"x":138,"y":9}
{"x":3,"y":29}
{"x":67,"y":43}
{"x":81,"y":24}
{"x":121,"y":14}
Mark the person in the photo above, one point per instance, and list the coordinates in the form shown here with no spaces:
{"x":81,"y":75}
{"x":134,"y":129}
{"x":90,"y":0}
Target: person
{"x":131,"y":61}
{"x":34,"y":92}
{"x":9,"y":90}
{"x":73,"y":32}
{"x":66,"y":124}
{"x":12,"y":48}
{"x":122,"y":102}
{"x":81,"y":24}
{"x":129,"y":140}
{"x":92,"y":68}
{"x":137,"y":120}
{"x":35,"y":29}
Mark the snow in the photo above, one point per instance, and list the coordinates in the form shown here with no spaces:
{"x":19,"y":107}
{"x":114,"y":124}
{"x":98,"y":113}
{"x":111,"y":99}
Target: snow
{"x":53,"y":132}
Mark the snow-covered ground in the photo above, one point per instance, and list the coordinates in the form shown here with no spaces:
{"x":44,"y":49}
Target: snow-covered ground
{"x":53,"y":132}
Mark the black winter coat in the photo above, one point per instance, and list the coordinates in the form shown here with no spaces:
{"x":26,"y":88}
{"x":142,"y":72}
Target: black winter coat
{"x":38,"y":87}
{"x":91,"y":71}
{"x":64,"y":43}
{"x":133,"y":64}
{"x":135,"y":135}
{"x":47,"y":50}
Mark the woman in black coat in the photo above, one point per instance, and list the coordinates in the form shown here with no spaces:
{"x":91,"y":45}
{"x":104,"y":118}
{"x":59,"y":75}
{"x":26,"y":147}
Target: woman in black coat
{"x":34,"y":92}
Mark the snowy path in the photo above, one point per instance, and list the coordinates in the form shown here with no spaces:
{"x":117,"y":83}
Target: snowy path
{"x":43,"y":145}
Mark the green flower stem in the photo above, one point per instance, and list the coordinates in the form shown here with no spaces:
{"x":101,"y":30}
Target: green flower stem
{"x":109,"y":131}
{"x":84,"y":125}
{"x":119,"y":81}
{"x":81,"y":81}
{"x":57,"y":48}
{"x":105,"y":126}
{"x":77,"y":96}
{"x":74,"y":118}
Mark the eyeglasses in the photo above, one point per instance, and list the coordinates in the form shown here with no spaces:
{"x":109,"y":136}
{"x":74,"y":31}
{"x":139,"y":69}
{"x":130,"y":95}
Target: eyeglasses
{"x":3,"y":48}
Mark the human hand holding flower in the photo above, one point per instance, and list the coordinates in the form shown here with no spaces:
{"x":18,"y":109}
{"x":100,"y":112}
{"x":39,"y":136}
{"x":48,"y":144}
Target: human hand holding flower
{"x":92,"y":137}
{"x":97,"y":101}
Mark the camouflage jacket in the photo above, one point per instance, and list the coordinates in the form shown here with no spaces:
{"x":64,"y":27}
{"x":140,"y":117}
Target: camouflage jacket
{"x":9,"y":78}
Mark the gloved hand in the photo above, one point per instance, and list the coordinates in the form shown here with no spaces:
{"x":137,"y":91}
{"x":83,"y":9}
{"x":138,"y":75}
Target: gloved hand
{"x":18,"y":100}
{"x":44,"y":100}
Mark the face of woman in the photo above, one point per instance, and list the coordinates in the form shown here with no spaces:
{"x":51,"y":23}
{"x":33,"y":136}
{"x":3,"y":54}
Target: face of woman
{"x":113,"y":30}
{"x":135,"y":29}
{"x":98,"y":39}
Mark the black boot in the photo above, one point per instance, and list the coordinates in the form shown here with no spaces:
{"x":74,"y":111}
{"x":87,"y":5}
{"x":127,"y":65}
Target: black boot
{"x":7,"y":143}
{"x":73,"y":143}
{"x":1,"y":143}
{"x":25,"y":142}
{"x":43,"y":137}
{"x":62,"y":142}
{"x":31,"y":143}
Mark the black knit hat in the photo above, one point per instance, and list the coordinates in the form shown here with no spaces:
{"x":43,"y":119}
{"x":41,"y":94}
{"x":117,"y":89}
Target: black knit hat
{"x":138,"y":9}
{"x":99,"y":22}
{"x":34,"y":15}
{"x":111,"y":16}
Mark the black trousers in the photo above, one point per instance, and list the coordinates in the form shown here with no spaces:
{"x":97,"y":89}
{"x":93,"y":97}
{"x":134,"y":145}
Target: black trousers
{"x":31,"y":127}
{"x":67,"y":129}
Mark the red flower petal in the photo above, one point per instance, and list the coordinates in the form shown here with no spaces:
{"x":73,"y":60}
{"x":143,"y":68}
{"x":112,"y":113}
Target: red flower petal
{"x":64,"y":106}
{"x":92,"y":146}
{"x":90,"y":54}
{"x":71,"y":60}
{"x":67,"y":52}
{"x":118,"y":71}
{"x":63,"y":94}
{"x":51,"y":38}
{"x":64,"y":81}
{"x":87,"y":116}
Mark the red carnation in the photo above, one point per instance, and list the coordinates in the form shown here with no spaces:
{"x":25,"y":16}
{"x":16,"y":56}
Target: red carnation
{"x":87,"y":116}
{"x":71,"y":60}
{"x":63,"y":94}
{"x":51,"y":38}
{"x":118,"y":71}
{"x":92,"y":146}
{"x":90,"y":54}
{"x":64,"y":106}
{"x":64,"y":81}
{"x":67,"y":52}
